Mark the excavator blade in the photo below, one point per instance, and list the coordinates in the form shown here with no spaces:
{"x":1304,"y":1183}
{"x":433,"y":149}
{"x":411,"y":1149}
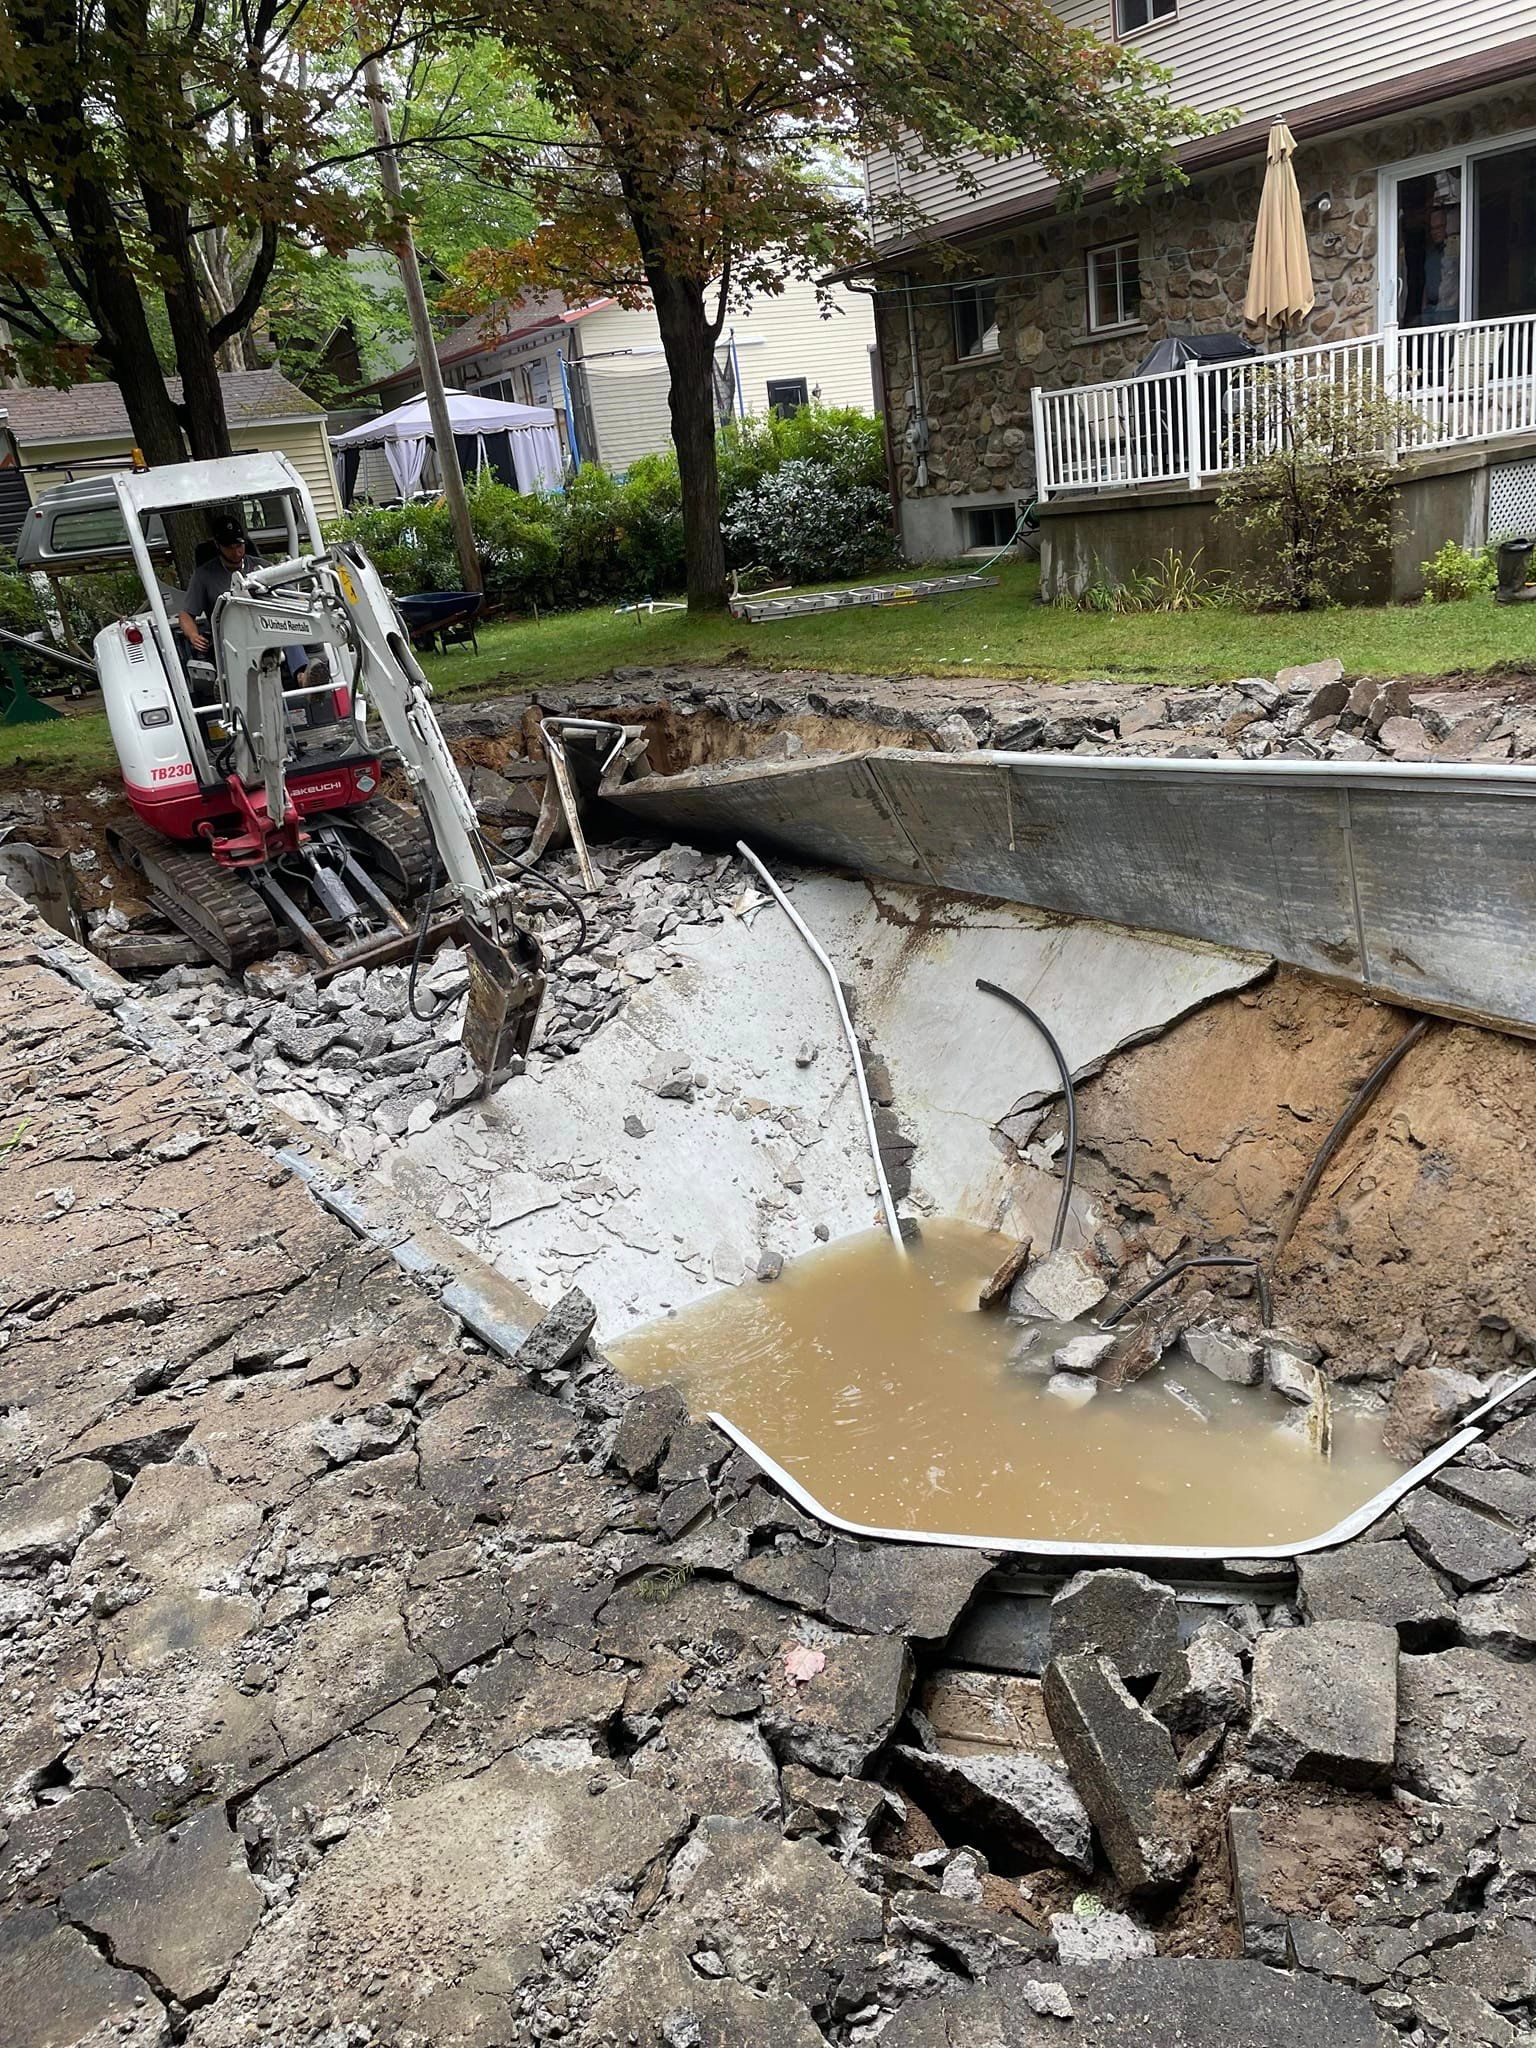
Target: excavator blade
{"x":506,"y":989}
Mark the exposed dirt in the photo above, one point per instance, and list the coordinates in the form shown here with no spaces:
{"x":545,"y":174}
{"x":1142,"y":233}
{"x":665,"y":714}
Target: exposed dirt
{"x":1421,"y":1221}
{"x":1321,"y":1844}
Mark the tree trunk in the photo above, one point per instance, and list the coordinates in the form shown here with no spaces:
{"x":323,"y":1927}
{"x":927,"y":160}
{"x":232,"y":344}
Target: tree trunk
{"x":101,"y":267}
{"x":202,"y":396}
{"x":688,"y":342}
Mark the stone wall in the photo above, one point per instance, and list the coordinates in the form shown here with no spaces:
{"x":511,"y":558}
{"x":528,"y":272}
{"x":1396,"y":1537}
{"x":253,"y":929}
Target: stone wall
{"x":1195,"y":245}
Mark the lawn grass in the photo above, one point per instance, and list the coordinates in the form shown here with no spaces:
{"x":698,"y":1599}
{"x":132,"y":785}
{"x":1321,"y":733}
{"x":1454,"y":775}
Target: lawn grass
{"x":1003,"y":631}
{"x":1000,"y":631}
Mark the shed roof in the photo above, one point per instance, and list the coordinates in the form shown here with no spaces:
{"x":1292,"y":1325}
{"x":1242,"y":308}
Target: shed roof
{"x":38,"y":414}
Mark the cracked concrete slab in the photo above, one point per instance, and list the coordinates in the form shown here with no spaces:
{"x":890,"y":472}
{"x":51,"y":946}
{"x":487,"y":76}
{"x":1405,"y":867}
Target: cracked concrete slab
{"x":429,"y":1915}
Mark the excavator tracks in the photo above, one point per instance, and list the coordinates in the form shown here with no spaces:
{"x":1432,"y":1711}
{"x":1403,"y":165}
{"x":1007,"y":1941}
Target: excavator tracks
{"x":214,"y":906}
{"x":392,"y":844}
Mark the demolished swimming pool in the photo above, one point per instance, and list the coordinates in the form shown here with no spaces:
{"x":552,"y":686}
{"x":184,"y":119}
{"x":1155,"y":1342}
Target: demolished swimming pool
{"x":1245,"y":1303}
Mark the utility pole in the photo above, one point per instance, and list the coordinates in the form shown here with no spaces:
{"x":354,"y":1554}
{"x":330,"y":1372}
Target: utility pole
{"x":449,"y":473}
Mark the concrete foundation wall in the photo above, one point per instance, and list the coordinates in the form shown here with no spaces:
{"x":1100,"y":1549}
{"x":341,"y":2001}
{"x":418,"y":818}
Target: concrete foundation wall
{"x":1411,"y":884}
{"x":1115,"y":536}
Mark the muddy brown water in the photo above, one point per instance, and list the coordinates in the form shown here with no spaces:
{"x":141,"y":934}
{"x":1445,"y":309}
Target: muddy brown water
{"x":874,"y":1379}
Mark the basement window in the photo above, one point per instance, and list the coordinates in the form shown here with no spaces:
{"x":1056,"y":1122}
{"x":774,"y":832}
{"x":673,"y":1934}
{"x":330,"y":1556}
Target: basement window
{"x":1114,"y":286}
{"x":973,"y":308}
{"x":988,"y":526}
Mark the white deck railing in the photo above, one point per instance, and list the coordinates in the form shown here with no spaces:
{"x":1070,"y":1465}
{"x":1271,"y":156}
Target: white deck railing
{"x":1475,"y":381}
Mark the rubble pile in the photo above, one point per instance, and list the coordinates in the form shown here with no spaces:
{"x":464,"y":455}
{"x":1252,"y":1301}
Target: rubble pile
{"x":358,"y":1061}
{"x":364,"y":1687}
{"x":1311,"y":712}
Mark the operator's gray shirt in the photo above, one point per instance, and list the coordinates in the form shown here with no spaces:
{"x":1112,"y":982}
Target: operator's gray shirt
{"x":210,"y":581}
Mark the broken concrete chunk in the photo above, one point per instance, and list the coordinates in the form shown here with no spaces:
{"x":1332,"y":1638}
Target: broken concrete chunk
{"x":1499,"y":1491}
{"x":1325,"y":1702}
{"x":712,"y":1765}
{"x":1084,"y":1354}
{"x":1426,"y":1405}
{"x":1123,"y":1767}
{"x":1502,"y":1620}
{"x":1146,"y":2002}
{"x":57,"y":1987}
{"x":1072,"y":1387}
{"x":1471,"y":1549}
{"x":907,"y":1589}
{"x":1012,"y":1800}
{"x":645,"y":1429}
{"x":1203,"y":1685}
{"x":180,"y":1907}
{"x":696,"y":1452}
{"x":1465,"y":1722}
{"x":561,"y":1337}
{"x":1297,"y":1378}
{"x":1121,"y":1615}
{"x":971,"y":1934}
{"x":1262,"y":1928}
{"x":49,"y":1517}
{"x":1062,"y":1287}
{"x":1100,"y":1938}
{"x":837,"y":1718}
{"x":1384,"y":1581}
{"x":1001,"y":1282}
{"x":1225,"y":1353}
{"x":1138,"y":1346}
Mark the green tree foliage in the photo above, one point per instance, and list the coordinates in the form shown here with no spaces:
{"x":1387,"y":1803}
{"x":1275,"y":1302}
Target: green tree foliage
{"x":464,"y":115}
{"x":700,"y":148}
{"x":167,"y":166}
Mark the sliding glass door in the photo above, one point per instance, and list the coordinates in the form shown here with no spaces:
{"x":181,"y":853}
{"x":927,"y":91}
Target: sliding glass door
{"x":1504,"y":234}
{"x":1460,"y":238}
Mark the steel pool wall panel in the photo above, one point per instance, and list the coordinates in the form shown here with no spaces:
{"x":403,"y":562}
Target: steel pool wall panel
{"x":1414,"y":884}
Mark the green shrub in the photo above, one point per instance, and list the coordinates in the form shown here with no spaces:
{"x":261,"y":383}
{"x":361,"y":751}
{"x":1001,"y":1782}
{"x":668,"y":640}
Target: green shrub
{"x":1319,"y":511}
{"x":605,"y":539}
{"x":806,"y":523}
{"x":1454,"y":572}
{"x":20,"y":611}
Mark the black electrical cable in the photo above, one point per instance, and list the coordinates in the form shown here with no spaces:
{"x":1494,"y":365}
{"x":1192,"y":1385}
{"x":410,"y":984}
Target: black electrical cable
{"x":1064,"y":1205}
{"x":1184,"y":1266}
{"x":526,"y":868}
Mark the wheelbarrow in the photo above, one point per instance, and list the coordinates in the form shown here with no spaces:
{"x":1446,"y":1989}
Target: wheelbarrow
{"x":442,"y":618}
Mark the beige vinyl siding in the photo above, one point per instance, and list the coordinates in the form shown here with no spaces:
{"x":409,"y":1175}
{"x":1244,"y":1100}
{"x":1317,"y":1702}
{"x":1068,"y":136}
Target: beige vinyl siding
{"x":782,"y":336}
{"x":305,"y":444}
{"x":786,"y":336}
{"x":1262,"y":58}
{"x":302,"y":441}
{"x":64,"y":452}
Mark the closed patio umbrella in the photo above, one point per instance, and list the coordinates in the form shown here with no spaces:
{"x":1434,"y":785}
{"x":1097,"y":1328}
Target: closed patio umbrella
{"x":1280,"y":277}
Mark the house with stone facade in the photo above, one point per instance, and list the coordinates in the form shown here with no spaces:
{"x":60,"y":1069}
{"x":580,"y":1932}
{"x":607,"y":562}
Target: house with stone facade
{"x":1013,"y":335}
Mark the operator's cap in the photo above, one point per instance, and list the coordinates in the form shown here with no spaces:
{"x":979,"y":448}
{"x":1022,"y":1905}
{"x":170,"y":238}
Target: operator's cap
{"x":227,"y":530}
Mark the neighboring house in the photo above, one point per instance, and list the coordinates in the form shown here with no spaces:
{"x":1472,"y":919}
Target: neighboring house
{"x":48,"y":436}
{"x":1416,"y":161}
{"x":600,"y":365}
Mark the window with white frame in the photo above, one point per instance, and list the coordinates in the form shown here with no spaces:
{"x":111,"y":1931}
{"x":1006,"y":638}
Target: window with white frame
{"x":1459,"y":235}
{"x":973,"y":307}
{"x":1114,"y":286}
{"x":1131,"y":15}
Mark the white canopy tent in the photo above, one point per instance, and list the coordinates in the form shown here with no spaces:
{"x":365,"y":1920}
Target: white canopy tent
{"x":405,"y":435}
